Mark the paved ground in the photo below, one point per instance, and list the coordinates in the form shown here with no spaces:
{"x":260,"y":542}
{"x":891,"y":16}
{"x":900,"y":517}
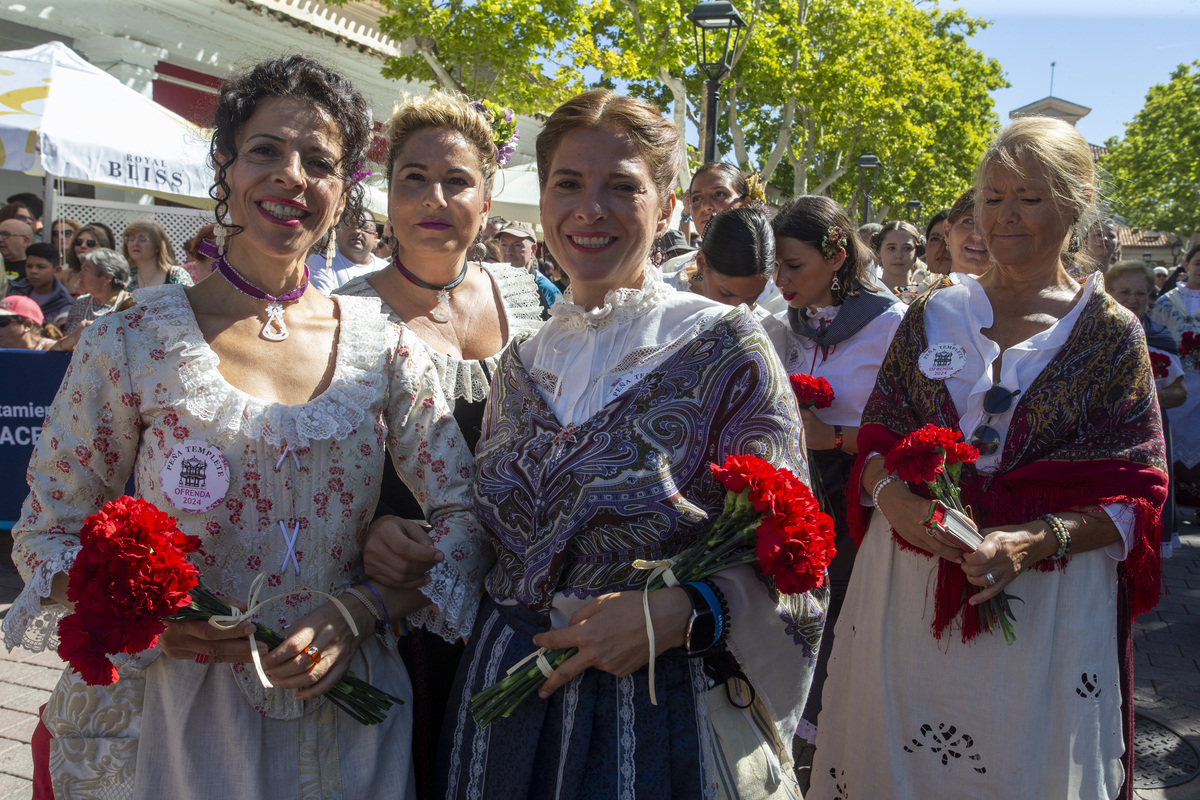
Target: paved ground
{"x":1167,"y":642}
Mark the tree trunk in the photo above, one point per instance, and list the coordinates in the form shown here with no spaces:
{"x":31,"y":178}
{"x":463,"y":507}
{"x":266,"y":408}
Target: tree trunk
{"x":679,"y":98}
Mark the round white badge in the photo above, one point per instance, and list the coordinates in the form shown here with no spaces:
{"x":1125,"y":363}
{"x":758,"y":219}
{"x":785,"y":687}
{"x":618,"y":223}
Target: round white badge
{"x":941,"y":360}
{"x":195,"y":476}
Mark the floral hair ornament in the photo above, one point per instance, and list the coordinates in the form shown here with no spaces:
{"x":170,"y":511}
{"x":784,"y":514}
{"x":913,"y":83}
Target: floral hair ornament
{"x":755,"y":189}
{"x":504,"y":128}
{"x":833,"y":242}
{"x":359,"y":174}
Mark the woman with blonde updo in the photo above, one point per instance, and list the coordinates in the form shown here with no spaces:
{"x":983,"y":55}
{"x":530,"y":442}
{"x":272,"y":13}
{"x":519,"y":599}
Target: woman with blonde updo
{"x":1050,"y":380}
{"x":442,"y":161}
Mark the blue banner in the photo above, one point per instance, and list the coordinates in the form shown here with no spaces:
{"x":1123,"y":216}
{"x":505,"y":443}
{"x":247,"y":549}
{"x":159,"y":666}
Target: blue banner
{"x":30,"y":380}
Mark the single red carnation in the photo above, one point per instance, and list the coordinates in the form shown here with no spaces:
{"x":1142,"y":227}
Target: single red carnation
{"x":1160,"y":364}
{"x":811,"y":391}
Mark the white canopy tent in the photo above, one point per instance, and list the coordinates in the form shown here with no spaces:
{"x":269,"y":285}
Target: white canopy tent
{"x":65,"y":118}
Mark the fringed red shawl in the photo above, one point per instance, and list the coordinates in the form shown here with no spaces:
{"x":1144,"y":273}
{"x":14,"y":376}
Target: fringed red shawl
{"x":1086,"y":433}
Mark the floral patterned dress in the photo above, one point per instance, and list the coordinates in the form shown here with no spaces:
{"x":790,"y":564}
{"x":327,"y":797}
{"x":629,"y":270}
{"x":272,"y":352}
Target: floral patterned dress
{"x":1179,"y":311}
{"x":145,"y":382}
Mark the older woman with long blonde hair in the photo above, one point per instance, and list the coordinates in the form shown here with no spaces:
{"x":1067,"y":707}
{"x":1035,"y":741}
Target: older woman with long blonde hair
{"x":1050,"y":380}
{"x":151,"y":258}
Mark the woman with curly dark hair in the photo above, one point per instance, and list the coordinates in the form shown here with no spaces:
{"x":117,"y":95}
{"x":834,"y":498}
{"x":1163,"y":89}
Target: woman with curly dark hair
{"x":284,"y":399}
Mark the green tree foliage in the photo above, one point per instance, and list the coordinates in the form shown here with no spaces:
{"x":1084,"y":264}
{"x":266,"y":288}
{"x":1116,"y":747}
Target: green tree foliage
{"x":506,"y":50}
{"x":1155,"y":167}
{"x":815,"y":83}
{"x":824,"y":81}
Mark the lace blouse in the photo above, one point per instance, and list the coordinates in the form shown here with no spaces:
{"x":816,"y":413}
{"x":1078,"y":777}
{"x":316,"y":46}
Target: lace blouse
{"x":583,"y":359}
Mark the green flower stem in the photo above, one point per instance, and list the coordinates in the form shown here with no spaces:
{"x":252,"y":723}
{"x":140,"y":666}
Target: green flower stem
{"x":359,"y":699}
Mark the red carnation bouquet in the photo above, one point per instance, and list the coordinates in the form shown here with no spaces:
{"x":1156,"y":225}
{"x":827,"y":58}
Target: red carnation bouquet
{"x":131,"y":575}
{"x":934,"y":456}
{"x":1189,"y":349}
{"x":811,"y":392}
{"x":1160,"y":364}
{"x":770,"y":519}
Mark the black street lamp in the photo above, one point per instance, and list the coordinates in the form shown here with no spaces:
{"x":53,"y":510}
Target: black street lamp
{"x":914,"y":210}
{"x":718,"y":28}
{"x":1176,"y":251}
{"x":1148,"y":257}
{"x":868,"y":165}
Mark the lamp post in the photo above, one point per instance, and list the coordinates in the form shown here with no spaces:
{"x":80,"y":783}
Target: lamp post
{"x":718,"y":27}
{"x":868,"y":165}
{"x":1148,"y":257}
{"x":914,"y":210}
{"x":1176,"y":251}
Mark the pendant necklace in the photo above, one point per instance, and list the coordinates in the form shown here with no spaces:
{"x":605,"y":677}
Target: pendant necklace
{"x":273,"y":329}
{"x":441,"y":312}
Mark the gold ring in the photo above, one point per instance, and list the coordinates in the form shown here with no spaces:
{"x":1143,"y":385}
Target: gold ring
{"x":314,"y":655}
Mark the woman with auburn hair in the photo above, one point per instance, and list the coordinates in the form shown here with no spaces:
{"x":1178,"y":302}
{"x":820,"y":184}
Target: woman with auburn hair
{"x":1050,"y":380}
{"x":599,"y":426}
{"x":151,"y":259}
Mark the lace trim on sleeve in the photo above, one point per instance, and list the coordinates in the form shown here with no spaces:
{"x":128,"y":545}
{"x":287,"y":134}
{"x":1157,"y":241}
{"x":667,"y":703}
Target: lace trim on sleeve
{"x":29,"y":624}
{"x":455,"y":601}
{"x":360,"y":375}
{"x":467,"y":378}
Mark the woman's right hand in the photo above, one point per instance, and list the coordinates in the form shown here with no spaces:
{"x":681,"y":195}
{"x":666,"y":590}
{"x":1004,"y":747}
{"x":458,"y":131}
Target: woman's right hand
{"x":906,"y":511}
{"x":398,"y":553}
{"x":186,"y":639}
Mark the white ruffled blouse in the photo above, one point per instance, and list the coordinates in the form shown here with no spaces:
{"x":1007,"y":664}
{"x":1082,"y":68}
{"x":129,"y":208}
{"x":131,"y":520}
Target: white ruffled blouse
{"x":582,"y":359}
{"x":145,"y":381}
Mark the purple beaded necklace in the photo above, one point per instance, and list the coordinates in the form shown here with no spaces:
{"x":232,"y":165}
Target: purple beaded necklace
{"x":273,"y":329}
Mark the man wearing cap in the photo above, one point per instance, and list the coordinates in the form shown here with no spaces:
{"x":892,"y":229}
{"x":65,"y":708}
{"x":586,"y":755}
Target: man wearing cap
{"x":15,"y":236}
{"x":21,"y":325}
{"x":354,"y":239}
{"x":518,"y":243}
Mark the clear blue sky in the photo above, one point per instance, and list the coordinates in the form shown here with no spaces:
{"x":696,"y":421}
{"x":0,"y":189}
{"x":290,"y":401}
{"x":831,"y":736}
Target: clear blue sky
{"x":1109,"y":52}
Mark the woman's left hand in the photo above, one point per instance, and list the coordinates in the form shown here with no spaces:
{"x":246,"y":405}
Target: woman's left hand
{"x":610,"y":633}
{"x":1005,"y":553}
{"x":289,"y":666}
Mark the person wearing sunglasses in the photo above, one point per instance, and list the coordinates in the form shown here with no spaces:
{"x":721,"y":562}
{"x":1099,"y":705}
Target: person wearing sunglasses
{"x":1050,"y":379}
{"x":88,"y":238}
{"x":151,"y":257}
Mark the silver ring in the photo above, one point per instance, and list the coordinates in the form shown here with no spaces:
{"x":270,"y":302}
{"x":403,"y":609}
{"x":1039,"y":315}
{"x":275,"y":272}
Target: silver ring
{"x":991,"y":580}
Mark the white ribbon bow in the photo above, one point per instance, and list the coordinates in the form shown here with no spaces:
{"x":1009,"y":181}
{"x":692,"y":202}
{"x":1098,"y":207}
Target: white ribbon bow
{"x":227,"y":622}
{"x":661,"y":567}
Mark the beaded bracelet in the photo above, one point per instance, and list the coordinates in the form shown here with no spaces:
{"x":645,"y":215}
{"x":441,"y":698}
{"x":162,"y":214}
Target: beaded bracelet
{"x":838,"y":439}
{"x":1059,"y":528}
{"x":879,"y":487}
{"x":387,"y":620}
{"x":380,"y":625}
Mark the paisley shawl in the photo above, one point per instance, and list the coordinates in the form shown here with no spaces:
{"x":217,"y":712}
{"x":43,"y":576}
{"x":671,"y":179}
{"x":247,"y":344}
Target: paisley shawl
{"x":570,"y":508}
{"x":1086,"y":433}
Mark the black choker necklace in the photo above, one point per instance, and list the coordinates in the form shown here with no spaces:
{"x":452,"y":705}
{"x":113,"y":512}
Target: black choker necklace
{"x":441,"y":312}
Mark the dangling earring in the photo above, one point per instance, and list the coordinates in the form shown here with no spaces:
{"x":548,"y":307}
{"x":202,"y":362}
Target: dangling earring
{"x":329,"y":251}
{"x":478,"y":251}
{"x":657,"y":256}
{"x":835,"y":285}
{"x":221,"y":233}
{"x":1073,"y":244}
